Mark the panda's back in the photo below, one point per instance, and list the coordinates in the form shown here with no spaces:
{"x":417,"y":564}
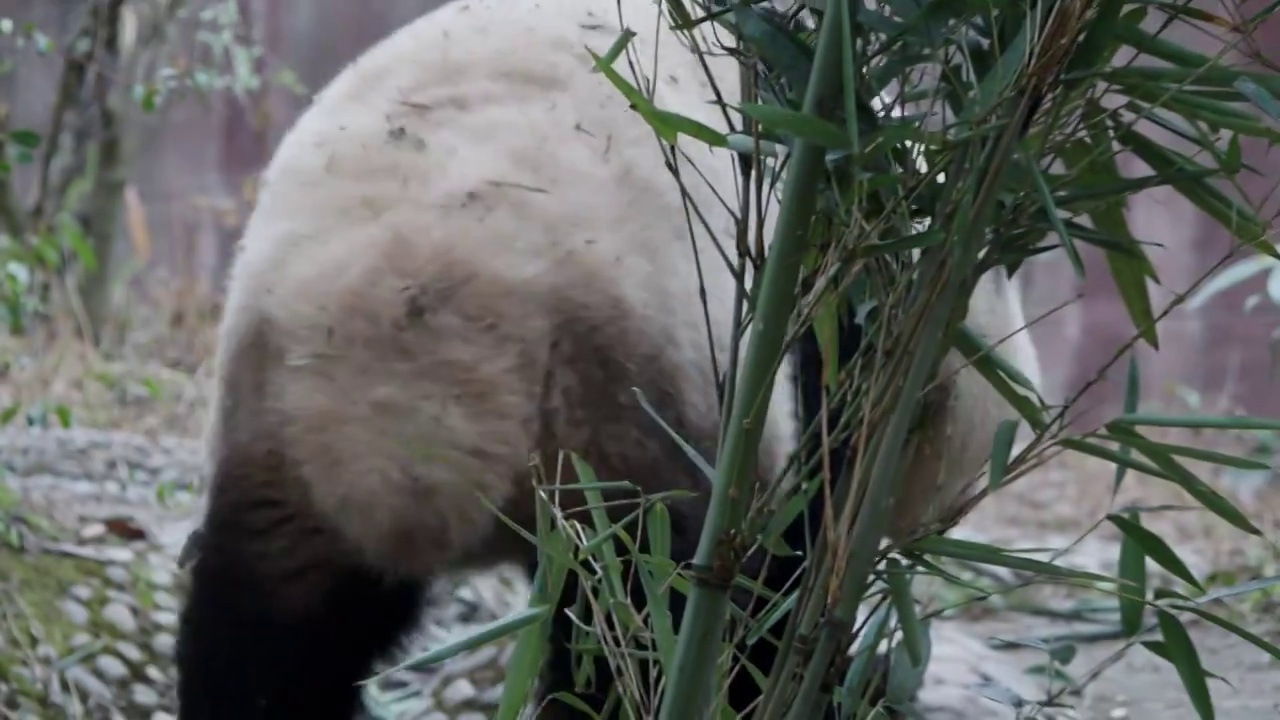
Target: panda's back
{"x":458,"y":258}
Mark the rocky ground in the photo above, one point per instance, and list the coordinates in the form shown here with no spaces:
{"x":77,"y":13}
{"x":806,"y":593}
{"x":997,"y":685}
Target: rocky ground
{"x":91,"y":593}
{"x":91,"y":522}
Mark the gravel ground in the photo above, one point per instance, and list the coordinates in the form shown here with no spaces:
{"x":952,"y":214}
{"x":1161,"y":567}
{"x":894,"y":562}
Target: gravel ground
{"x":87,"y":622}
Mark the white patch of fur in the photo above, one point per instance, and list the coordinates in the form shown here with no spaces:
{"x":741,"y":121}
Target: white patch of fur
{"x":474,"y":155}
{"x":953,"y":450}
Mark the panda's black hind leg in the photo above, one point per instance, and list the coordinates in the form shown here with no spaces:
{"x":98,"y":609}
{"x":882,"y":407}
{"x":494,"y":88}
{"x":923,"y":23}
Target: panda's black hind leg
{"x":277,"y":625}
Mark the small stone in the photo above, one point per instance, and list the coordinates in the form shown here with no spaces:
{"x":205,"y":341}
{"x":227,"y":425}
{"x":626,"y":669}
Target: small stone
{"x":139,"y":494}
{"x":457,"y":692}
{"x":76,"y":613}
{"x":128,"y":599}
{"x":84,"y":680}
{"x":472,"y":715}
{"x":490,"y":696}
{"x":83,"y":593}
{"x":469,"y":663}
{"x":116,"y":554}
{"x":119,"y":575}
{"x":143,"y":696}
{"x":130,"y":652}
{"x":80,"y":640}
{"x":160,"y":561}
{"x":164,"y":644}
{"x":164,"y":600}
{"x":162,"y":715}
{"x":165,"y":618}
{"x":92,"y":531}
{"x":110,"y":667}
{"x":155,"y":674}
{"x":162,"y":577}
{"x":121,"y":617}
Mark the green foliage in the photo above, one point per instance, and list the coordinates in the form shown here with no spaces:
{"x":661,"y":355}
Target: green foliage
{"x":225,"y":59}
{"x":41,"y":246}
{"x":918,"y":145}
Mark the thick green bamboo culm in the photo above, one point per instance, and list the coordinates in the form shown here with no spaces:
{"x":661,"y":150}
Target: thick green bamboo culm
{"x":694,"y":675}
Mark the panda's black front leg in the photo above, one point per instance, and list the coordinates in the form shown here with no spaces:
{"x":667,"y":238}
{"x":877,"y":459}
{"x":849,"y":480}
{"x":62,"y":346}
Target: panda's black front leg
{"x":240,"y":661}
{"x":279,"y":622}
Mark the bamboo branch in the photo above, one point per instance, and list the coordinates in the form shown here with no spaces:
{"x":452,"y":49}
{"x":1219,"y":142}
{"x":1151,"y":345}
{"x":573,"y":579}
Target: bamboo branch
{"x":694,"y":672}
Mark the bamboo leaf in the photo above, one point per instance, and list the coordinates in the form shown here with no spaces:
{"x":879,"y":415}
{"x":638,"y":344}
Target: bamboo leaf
{"x":1096,"y":48}
{"x":1258,"y":95}
{"x":1160,"y":649}
{"x":1132,"y":394}
{"x":1249,"y":637}
{"x":487,"y":633}
{"x":1113,"y":456}
{"x":1178,"y":474}
{"x":1001,"y":449}
{"x":906,"y":676}
{"x":797,"y":124}
{"x":914,"y":636}
{"x":994,"y":368}
{"x":703,"y":466}
{"x":996,"y":84}
{"x":655,"y":570}
{"x":1154,"y":547}
{"x":991,"y":555}
{"x":1130,"y":276}
{"x":1186,"y":660}
{"x":1239,"y":220}
{"x":1132,"y":596}
{"x":601,"y":545}
{"x":1209,"y":456}
{"x":1055,"y":220}
{"x":667,"y":124}
{"x":1243,"y":588}
{"x":1189,"y":66}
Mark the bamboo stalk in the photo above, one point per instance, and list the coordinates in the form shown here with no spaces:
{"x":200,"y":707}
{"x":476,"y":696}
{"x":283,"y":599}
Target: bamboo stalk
{"x":694,"y":674}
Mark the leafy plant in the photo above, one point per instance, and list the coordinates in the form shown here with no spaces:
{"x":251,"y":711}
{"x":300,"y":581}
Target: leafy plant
{"x":919,"y":144}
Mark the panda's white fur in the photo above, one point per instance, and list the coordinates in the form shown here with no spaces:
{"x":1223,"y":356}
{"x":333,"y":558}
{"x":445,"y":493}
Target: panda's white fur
{"x":951,"y":451}
{"x":478,"y":198}
{"x":468,"y":250}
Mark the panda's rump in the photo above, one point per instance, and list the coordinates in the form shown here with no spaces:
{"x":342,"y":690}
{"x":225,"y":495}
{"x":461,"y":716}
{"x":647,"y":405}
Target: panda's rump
{"x":448,"y":297}
{"x":409,"y":399}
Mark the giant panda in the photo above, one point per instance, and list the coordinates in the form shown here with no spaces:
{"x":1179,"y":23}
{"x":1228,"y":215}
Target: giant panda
{"x":465,"y":252}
